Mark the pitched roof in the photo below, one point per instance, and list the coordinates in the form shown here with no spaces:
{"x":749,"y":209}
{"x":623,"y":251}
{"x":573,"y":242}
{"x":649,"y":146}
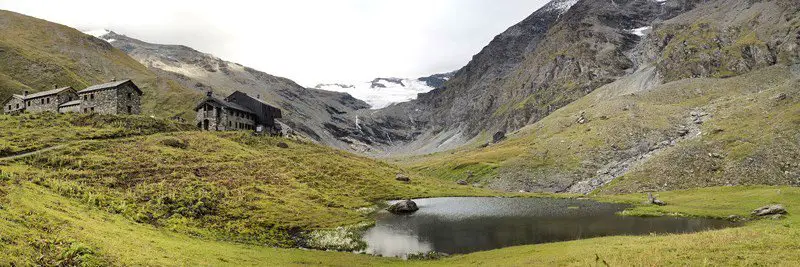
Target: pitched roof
{"x":225,"y":104}
{"x":71,"y":103}
{"x":108,"y":85}
{"x":43,"y":93}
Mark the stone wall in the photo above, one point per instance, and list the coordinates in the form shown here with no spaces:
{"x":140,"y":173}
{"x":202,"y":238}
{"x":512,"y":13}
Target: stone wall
{"x":223,"y":119}
{"x":100,"y":101}
{"x":128,"y":100}
{"x":13,"y":104}
{"x":70,"y":109}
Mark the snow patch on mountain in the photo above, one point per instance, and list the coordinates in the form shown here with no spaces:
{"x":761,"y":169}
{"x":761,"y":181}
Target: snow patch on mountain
{"x":560,"y":5}
{"x":640,"y":31}
{"x":99,"y":33}
{"x":381,"y":92}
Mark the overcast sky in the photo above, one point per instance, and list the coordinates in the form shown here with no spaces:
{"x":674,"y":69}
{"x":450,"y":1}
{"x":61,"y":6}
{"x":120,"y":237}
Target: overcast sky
{"x":309,"y":41}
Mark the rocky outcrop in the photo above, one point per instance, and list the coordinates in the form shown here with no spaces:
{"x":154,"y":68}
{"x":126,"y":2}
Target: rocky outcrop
{"x":402,"y":177}
{"x":403,"y":207}
{"x":776,"y":209}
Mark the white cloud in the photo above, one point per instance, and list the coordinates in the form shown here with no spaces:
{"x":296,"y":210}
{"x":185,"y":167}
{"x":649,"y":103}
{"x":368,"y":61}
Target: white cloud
{"x":309,"y":41}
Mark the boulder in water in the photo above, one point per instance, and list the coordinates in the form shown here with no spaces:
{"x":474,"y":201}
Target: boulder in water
{"x":403,"y":207}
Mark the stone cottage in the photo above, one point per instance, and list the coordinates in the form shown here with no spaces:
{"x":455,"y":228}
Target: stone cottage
{"x":50,"y":100}
{"x":116,"y":97}
{"x":238,"y":111}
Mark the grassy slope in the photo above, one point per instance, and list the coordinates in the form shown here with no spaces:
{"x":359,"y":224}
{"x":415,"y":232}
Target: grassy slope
{"x":229,"y":186}
{"x":76,"y":232}
{"x":29,"y":132}
{"x":36,"y":54}
{"x":756,"y":134}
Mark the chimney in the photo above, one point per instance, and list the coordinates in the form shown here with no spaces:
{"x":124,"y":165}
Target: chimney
{"x":24,"y":94}
{"x":208,"y":94}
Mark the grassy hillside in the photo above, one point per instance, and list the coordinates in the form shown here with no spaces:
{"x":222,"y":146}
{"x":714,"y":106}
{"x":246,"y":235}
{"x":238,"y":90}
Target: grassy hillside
{"x":749,"y":135}
{"x":35,"y":55}
{"x":42,"y":227}
{"x":231,"y":186}
{"x":30,"y":132}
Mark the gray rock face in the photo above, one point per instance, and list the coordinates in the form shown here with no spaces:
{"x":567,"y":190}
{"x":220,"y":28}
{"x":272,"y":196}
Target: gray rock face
{"x":769,"y":210}
{"x":403,"y":207}
{"x":555,"y":56}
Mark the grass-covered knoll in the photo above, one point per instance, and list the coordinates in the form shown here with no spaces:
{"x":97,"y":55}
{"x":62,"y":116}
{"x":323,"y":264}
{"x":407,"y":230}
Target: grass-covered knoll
{"x":29,"y":132}
{"x":750,"y":136}
{"x":225,"y":185}
{"x":37,"y":54}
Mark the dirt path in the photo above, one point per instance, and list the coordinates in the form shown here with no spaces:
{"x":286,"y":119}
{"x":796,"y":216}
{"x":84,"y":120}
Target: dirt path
{"x":32,"y":153}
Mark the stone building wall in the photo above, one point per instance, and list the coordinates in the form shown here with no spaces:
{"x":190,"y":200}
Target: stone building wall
{"x":228,"y":119}
{"x":13,"y":104}
{"x":70,"y":109}
{"x":128,"y":100}
{"x":207,"y":113}
{"x":42,"y":104}
{"x":100,"y":101}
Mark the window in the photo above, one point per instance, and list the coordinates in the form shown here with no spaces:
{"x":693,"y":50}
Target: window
{"x":85,"y":97}
{"x":130,"y":96}
{"x":9,"y":106}
{"x":85,"y":110}
{"x":70,"y":98}
{"x":130,"y":109}
{"x":42,"y":101}
{"x":29,"y":103}
{"x":48,"y":100}
{"x":91,"y":96}
{"x":91,"y":109}
{"x":230,"y":124}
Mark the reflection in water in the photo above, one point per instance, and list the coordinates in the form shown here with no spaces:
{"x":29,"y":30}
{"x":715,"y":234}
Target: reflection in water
{"x":462,"y":225}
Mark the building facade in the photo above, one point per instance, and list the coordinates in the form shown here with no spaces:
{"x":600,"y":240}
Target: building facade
{"x":116,"y":97}
{"x":236,"y":112}
{"x":49,"y":100}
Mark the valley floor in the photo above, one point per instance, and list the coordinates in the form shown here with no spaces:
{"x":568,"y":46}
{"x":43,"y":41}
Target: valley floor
{"x":42,"y":227}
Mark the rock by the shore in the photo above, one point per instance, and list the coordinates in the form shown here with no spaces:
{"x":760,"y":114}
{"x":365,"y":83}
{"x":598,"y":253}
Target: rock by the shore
{"x":402,"y":177}
{"x":403,"y":207}
{"x":655,"y":201}
{"x":769,"y":210}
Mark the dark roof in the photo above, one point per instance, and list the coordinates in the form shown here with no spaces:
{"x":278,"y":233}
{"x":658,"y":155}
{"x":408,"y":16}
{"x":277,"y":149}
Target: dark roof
{"x":108,"y":86}
{"x":43,"y":93}
{"x":71,"y":103}
{"x":224,"y":103}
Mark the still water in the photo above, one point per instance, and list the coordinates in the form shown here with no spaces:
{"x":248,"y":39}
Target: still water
{"x":468,"y":224}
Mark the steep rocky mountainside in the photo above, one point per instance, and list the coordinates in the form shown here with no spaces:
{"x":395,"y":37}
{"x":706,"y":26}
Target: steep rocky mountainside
{"x":711,"y":100}
{"x":36,"y":55}
{"x":560,"y":53}
{"x":314,"y":113}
